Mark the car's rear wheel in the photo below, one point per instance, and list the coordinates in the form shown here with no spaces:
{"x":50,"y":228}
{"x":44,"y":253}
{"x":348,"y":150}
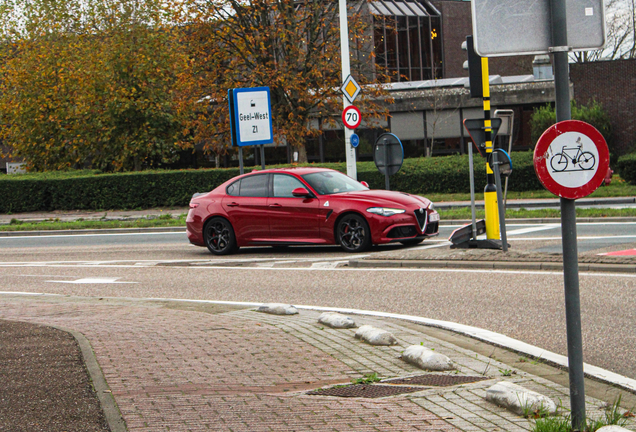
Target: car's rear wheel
{"x":353,"y":233}
{"x":219,"y":236}
{"x":412,"y":242}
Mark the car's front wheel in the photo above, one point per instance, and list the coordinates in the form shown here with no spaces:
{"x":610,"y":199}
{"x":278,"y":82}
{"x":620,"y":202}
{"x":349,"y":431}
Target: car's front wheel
{"x":353,"y":233}
{"x":219,"y":236}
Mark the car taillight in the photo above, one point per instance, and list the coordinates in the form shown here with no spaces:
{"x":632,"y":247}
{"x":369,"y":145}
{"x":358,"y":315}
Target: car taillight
{"x":194,"y":205}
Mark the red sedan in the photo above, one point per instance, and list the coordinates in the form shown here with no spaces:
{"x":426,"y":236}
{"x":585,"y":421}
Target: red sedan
{"x":301,"y":206}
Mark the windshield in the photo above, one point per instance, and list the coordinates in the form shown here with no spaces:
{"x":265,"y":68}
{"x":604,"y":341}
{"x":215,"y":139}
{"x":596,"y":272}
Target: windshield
{"x":332,"y":182}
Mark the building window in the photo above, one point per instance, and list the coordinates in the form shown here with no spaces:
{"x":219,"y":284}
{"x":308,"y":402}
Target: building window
{"x":405,"y":34}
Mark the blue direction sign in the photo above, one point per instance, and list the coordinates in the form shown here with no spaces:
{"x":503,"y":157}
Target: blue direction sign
{"x":251,"y":116}
{"x":355,"y":140}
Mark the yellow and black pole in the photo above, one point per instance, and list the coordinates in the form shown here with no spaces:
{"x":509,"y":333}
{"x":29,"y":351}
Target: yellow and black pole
{"x":490,"y":192}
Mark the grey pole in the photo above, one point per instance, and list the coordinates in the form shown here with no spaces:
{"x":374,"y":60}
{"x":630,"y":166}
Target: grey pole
{"x":472,"y":188}
{"x":502,"y":211}
{"x":262,"y":156}
{"x":568,"y":225}
{"x":386,"y":164}
{"x":240,"y":160}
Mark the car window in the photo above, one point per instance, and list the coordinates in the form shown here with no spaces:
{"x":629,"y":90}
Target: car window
{"x":233,"y":189}
{"x":331,"y":182}
{"x":284,"y":185}
{"x":254,"y":186}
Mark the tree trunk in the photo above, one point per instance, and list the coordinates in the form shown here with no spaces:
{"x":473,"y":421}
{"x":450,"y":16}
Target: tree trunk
{"x":302,"y":153}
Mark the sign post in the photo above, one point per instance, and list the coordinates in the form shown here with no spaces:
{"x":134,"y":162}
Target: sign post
{"x":571,"y":159}
{"x":350,"y":152}
{"x":388,"y":155}
{"x":556,"y":27}
{"x":250,"y":119}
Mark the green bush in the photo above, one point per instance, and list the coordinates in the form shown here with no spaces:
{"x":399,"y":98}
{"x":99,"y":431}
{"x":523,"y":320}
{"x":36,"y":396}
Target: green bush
{"x":148,"y":189}
{"x":626,"y":167}
{"x":594,"y":114}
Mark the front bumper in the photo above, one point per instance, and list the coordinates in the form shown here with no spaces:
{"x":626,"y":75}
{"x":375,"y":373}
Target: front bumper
{"x":414,"y":223}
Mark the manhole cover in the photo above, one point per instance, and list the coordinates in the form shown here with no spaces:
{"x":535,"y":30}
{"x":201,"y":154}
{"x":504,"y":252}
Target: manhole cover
{"x":436,"y":380}
{"x":365,"y":391}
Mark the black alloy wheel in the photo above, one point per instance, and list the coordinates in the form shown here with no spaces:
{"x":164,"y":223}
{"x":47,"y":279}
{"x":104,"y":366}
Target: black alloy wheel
{"x":353,"y":233}
{"x":219,"y":236}
{"x":412,"y":242}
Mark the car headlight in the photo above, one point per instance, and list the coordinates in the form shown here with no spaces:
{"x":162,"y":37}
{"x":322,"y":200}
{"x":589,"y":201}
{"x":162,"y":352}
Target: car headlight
{"x":384,"y":211}
{"x":431,"y":206}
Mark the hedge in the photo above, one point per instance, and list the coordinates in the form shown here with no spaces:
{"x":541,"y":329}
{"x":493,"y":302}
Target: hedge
{"x":91,"y":190}
{"x":626,"y":167}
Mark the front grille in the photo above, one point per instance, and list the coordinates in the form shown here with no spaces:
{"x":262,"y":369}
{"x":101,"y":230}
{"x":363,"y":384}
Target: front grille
{"x":432,"y":228}
{"x":402,"y":231}
{"x":421,"y":215}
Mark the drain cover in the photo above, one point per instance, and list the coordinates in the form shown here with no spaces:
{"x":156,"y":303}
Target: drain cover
{"x":365,"y":391}
{"x":436,"y":380}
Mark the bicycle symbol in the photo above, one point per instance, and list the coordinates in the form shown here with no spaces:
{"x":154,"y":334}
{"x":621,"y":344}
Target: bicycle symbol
{"x":584,"y":159}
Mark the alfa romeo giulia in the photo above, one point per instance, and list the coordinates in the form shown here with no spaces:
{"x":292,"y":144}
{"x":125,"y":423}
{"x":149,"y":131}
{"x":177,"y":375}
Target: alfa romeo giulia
{"x":306,"y":206}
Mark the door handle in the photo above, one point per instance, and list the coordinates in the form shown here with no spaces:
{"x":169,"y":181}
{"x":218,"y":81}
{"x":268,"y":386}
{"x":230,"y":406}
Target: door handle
{"x":275,"y":205}
{"x":232,"y":204}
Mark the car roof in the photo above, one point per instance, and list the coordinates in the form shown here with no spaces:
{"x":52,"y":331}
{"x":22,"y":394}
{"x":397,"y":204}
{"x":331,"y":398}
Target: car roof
{"x":295,"y":170}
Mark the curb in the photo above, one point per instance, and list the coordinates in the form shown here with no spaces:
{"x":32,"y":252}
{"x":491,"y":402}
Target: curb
{"x":107,"y":401}
{"x":179,"y":229}
{"x":489,"y":265}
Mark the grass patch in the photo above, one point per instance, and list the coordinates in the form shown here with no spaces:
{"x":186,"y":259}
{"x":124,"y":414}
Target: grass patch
{"x":369,"y":378}
{"x":56,"y":224}
{"x":613,"y":415}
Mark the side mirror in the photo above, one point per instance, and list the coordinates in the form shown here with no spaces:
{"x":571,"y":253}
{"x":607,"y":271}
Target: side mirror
{"x":301,"y":192}
{"x":365,"y":184}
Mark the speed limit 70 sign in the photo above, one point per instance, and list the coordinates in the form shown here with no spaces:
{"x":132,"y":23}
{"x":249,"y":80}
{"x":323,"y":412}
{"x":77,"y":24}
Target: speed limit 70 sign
{"x":351,"y":117}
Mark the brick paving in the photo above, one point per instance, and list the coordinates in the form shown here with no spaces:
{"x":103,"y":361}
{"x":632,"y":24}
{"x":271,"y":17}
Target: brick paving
{"x":239,"y":370}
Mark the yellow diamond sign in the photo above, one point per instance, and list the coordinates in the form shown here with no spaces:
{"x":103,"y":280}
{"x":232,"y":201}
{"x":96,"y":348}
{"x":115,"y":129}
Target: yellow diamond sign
{"x":351,"y":89}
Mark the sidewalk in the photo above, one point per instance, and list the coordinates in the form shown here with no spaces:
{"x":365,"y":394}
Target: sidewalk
{"x":172,"y":365}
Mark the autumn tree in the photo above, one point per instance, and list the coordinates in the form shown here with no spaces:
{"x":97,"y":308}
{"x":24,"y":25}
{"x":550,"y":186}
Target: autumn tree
{"x":290,"y":46}
{"x":92,"y":82}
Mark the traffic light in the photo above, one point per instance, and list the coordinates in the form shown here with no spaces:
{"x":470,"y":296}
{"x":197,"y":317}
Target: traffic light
{"x":473,"y":64}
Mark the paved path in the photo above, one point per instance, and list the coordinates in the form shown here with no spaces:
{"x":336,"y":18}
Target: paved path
{"x":201,"y":367}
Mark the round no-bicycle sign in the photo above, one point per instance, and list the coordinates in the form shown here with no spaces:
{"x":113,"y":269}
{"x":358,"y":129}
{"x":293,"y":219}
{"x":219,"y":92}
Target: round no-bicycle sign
{"x":351,"y":117}
{"x":571,"y":159}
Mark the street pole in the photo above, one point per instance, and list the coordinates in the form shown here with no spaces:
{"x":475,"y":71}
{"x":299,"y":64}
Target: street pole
{"x":387,"y":186}
{"x":350,"y":152}
{"x":490,"y":192}
{"x":472,"y":190}
{"x":568,"y":224}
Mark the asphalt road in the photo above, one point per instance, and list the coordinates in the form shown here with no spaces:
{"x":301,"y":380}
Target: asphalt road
{"x":524,"y":305}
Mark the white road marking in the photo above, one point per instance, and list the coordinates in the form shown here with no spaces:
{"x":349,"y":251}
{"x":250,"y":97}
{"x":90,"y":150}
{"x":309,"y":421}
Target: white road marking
{"x":273,"y":263}
{"x":532,"y":229}
{"x":579,"y":238}
{"x":328,"y":264}
{"x":346,"y":269}
{"x":94,"y":280}
{"x":96,"y":235}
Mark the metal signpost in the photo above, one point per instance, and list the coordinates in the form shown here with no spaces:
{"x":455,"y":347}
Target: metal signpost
{"x":512,"y":27}
{"x":250,"y":119}
{"x":388,"y":155}
{"x":348,"y":96}
{"x":502,"y":166}
{"x":571,"y":159}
